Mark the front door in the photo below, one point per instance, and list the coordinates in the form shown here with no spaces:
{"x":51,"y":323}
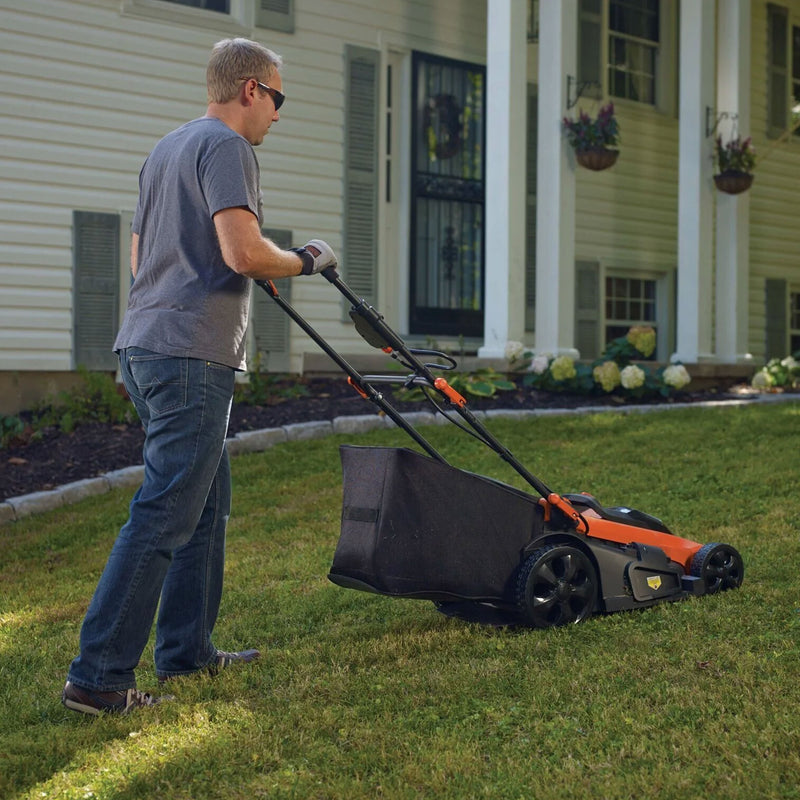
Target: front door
{"x":447,"y":204}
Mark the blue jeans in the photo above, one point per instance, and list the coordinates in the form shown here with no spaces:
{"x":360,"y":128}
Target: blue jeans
{"x":172,"y":547}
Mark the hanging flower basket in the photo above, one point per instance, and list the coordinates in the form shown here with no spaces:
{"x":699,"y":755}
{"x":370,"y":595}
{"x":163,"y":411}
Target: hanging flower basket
{"x":596,"y":159}
{"x":735,"y":161}
{"x":594,"y":140}
{"x":733,"y":182}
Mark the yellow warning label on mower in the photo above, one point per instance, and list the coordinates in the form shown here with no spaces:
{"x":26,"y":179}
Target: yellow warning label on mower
{"x":654,"y":582}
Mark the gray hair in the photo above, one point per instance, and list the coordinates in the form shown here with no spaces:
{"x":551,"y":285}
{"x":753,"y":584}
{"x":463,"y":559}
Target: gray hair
{"x":231,"y":61}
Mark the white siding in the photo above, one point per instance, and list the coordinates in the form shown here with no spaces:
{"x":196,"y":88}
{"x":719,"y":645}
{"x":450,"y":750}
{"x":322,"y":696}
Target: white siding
{"x":86,"y":91}
{"x":774,"y":196}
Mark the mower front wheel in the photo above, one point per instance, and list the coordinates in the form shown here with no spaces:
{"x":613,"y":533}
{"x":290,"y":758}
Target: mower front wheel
{"x":720,"y":566}
{"x":556,"y":585}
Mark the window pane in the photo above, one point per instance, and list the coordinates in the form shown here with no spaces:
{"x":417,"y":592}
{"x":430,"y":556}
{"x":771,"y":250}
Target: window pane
{"x":629,"y":302}
{"x":637,"y":18}
{"x":796,"y":52}
{"x":795,"y":311}
{"x":632,"y":70}
{"x":223,"y":6}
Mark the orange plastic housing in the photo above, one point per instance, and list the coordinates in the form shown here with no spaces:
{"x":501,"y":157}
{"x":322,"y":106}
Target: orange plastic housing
{"x":680,"y":550}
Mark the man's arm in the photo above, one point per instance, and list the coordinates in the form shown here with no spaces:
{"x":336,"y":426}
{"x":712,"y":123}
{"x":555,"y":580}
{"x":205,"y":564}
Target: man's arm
{"x":249,"y":253}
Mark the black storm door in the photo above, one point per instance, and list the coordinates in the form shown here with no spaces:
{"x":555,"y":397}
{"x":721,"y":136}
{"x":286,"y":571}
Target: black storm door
{"x":447,"y":205}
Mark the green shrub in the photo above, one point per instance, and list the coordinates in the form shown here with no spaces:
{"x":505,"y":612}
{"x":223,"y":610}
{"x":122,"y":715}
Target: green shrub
{"x":264,"y":388}
{"x":779,"y":373}
{"x":614,"y":372}
{"x":96,"y":399}
{"x":10,"y":428}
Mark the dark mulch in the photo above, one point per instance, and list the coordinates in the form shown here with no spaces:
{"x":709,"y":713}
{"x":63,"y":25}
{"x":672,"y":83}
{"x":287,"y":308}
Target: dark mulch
{"x":94,"y":448}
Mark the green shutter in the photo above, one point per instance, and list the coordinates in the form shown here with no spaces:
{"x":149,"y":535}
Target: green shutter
{"x":96,"y":281}
{"x":360,"y":251}
{"x":269,"y":324}
{"x":530,"y":212}
{"x":277,"y":15}
{"x":776,"y":333}
{"x":587,"y":309}
{"x":590,"y":39}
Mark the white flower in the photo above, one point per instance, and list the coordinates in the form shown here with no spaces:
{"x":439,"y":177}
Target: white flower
{"x":676,"y":376}
{"x":632,"y":377}
{"x":540,"y":364}
{"x":790,"y":363}
{"x":514,"y":350}
{"x":761,"y":380}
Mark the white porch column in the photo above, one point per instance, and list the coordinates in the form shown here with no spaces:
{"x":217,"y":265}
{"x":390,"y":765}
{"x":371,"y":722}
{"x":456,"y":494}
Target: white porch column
{"x":506,"y":68}
{"x":555,"y":187}
{"x":733,"y":211}
{"x":695,"y":185}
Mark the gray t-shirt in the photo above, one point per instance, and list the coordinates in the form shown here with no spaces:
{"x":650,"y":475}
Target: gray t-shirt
{"x":185,"y":301}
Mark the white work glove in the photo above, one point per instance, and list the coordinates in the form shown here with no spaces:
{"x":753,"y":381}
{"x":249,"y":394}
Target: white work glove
{"x":316,"y":255}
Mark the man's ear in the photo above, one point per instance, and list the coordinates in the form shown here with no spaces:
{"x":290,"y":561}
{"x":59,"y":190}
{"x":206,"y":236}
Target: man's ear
{"x":247,"y":92}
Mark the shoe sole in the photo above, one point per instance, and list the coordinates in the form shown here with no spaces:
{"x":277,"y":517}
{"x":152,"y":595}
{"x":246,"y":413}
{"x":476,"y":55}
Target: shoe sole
{"x":74,"y":705}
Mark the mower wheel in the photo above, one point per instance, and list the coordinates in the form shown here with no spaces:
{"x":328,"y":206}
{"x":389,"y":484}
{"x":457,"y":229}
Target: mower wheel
{"x":556,"y":585}
{"x":719,"y":565}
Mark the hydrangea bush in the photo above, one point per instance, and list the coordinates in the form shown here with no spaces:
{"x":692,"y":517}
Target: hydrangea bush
{"x":614,"y":372}
{"x":778,"y":373}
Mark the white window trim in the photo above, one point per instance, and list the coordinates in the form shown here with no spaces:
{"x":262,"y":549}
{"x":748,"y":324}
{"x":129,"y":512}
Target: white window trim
{"x":665,"y":301}
{"x":238,"y":21}
{"x":666,"y":60}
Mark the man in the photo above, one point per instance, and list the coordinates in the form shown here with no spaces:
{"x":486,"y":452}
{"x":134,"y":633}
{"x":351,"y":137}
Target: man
{"x":196,"y":245}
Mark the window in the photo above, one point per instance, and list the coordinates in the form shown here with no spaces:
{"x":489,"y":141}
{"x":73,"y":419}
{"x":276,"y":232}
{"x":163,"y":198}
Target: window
{"x":224,"y":16}
{"x":794,"y":322}
{"x":629,"y":302}
{"x":628,"y":49}
{"x":633,"y":39}
{"x":783,"y":69}
{"x":795,"y":115}
{"x":223,"y":6}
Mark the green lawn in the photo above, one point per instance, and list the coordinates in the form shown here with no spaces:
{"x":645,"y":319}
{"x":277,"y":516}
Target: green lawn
{"x":360,"y":696}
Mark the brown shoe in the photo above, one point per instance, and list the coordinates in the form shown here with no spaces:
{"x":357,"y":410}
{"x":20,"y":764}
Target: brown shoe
{"x":89,"y":701}
{"x":223,"y":661}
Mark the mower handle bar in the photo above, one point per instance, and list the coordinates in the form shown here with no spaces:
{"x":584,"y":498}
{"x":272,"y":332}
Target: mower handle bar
{"x":424,"y":377}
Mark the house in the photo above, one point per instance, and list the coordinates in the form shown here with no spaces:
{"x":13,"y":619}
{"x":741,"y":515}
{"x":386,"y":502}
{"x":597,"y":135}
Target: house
{"x":423,"y":140}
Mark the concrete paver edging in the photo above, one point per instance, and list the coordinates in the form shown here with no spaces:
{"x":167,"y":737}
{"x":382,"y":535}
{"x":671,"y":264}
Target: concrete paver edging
{"x":16,"y":508}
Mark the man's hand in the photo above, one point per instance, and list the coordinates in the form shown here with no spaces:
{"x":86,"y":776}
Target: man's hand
{"x":321,"y":256}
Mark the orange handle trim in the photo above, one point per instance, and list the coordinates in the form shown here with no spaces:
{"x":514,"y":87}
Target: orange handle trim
{"x":566,"y":508}
{"x":358,"y":388}
{"x":449,"y":392}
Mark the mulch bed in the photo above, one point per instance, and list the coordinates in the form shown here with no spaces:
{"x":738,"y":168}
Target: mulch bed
{"x":93,"y":448}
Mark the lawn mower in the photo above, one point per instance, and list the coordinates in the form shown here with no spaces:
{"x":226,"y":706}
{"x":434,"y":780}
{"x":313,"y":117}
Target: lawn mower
{"x":414,"y":526}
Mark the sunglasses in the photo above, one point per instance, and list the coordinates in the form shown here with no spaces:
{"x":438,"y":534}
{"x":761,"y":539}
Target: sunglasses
{"x":277,"y":97}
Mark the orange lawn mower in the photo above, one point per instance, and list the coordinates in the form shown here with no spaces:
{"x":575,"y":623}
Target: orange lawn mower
{"x":414,"y":526}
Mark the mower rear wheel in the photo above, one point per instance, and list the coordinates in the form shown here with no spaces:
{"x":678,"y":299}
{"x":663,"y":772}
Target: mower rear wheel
{"x":556,"y":585}
{"x":719,"y":565}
